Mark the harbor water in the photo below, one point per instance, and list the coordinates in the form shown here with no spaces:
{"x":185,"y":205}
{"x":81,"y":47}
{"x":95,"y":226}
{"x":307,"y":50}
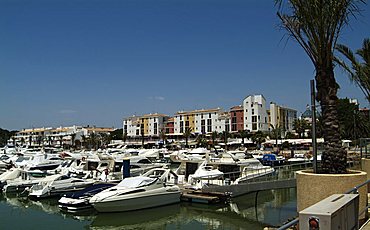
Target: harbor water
{"x":251,"y":211}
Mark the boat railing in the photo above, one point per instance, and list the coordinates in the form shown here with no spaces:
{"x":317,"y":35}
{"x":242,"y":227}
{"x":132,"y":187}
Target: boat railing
{"x":259,"y":174}
{"x":354,"y":190}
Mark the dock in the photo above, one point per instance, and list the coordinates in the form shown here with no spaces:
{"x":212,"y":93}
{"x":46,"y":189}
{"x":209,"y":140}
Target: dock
{"x":198,"y":196}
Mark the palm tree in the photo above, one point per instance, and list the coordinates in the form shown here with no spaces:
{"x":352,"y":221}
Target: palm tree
{"x":93,"y":140}
{"x":358,"y":72}
{"x":84,"y":140}
{"x":105,"y":138}
{"x":275,"y":133}
{"x":243,"y":134}
{"x":316,"y":26}
{"x":225,"y":135}
{"x":124,"y":137}
{"x":201,"y":141}
{"x":258,"y":137}
{"x":22,"y":141}
{"x":142,"y":138}
{"x":186,"y":135}
{"x":300,"y":126}
{"x":163,"y":136}
{"x":73,"y":137}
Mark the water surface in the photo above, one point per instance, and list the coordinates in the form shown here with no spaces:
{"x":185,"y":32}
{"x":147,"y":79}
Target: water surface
{"x":273,"y":208}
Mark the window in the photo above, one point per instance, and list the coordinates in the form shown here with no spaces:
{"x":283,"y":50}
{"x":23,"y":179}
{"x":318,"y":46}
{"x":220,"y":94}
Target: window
{"x":254,"y":126}
{"x":254,"y":118}
{"x":155,"y":128}
{"x":209,"y":115}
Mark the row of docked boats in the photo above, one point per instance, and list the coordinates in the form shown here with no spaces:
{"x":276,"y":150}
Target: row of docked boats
{"x":95,"y":179}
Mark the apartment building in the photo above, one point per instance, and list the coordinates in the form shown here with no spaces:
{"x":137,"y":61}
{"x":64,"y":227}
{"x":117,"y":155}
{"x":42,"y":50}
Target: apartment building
{"x":146,"y":125}
{"x":255,"y":113}
{"x":201,"y":121}
{"x":236,"y":119}
{"x":282,"y":117}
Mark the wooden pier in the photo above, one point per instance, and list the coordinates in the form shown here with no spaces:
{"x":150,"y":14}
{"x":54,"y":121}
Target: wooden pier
{"x":198,"y":196}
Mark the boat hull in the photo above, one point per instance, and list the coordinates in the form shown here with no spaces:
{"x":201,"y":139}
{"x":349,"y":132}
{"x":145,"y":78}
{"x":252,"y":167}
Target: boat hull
{"x":140,"y":201}
{"x":74,"y":205}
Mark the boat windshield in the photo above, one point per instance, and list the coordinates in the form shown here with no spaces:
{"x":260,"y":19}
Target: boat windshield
{"x":134,"y":182}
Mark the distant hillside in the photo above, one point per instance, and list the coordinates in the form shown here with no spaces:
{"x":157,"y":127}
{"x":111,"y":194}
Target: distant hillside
{"x":5,"y":135}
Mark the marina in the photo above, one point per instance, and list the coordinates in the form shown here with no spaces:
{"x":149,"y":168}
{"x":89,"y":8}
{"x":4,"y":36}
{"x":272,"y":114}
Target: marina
{"x":97,"y":185}
{"x":273,"y":209}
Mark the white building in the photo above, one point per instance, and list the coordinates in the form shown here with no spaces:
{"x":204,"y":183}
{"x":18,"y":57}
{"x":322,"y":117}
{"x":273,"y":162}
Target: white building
{"x":147,"y":125}
{"x":56,"y":136}
{"x":255,"y":113}
{"x":201,"y":121}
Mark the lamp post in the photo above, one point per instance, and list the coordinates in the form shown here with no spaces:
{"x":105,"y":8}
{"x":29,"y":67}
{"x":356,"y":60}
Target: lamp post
{"x":313,"y":106}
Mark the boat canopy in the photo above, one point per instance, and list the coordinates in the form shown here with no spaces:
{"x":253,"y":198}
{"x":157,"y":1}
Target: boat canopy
{"x":135,"y":182}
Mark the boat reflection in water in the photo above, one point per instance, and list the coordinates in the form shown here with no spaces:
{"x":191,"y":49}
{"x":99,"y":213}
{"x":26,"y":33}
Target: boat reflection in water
{"x":152,"y":218}
{"x":273,"y":209}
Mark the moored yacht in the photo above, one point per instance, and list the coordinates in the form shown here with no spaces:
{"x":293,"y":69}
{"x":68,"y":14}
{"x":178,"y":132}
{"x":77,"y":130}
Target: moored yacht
{"x":78,"y":201}
{"x":57,"y":185}
{"x":149,"y":190}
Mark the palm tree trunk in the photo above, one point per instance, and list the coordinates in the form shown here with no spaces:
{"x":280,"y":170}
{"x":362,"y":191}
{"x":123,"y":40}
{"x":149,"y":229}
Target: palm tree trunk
{"x":334,"y":157}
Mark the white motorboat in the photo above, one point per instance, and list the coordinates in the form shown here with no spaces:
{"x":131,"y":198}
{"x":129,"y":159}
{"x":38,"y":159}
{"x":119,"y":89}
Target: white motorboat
{"x":195,"y":155}
{"x":254,"y":170}
{"x":298,"y":158}
{"x":11,"y":174}
{"x":57,"y":185}
{"x":139,"y":165}
{"x":206,"y":172}
{"x":78,"y":201}
{"x":149,"y":190}
{"x":25,"y":180}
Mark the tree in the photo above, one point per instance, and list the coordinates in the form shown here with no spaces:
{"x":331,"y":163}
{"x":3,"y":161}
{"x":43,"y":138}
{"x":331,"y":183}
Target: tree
{"x":4,"y":137}
{"x":275,"y":133}
{"x":105,"y":138}
{"x":201,"y":141}
{"x":300,"y":126}
{"x":73,"y":138}
{"x":225,"y":135}
{"x":163,"y":136}
{"x":124,"y":137}
{"x":358,"y":72}
{"x":353,"y":124}
{"x":258,"y":138}
{"x":243,"y":134}
{"x":117,"y":134}
{"x":289,"y":135}
{"x":22,"y":141}
{"x":142,"y":138}
{"x":93,"y":140}
{"x":214,"y":136}
{"x":316,"y":26}
{"x":186,"y":135}
{"x":84,"y":141}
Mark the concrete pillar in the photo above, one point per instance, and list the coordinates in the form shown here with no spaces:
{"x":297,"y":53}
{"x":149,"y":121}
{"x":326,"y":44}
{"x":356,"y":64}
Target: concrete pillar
{"x":365,"y":166}
{"x":312,"y":188}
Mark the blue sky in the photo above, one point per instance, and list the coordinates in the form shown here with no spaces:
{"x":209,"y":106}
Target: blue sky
{"x":93,"y":62}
